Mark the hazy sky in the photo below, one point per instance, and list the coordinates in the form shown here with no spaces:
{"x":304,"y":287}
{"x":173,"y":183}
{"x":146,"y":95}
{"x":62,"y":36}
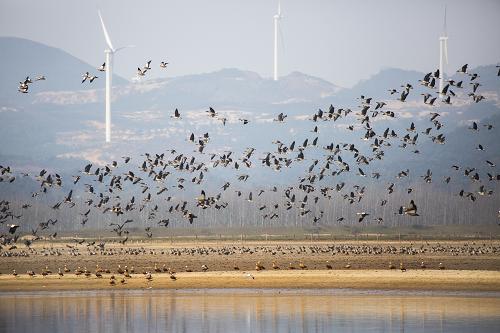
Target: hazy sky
{"x":342,"y":41}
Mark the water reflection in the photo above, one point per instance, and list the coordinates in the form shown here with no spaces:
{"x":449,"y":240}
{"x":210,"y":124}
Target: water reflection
{"x":247,"y":311}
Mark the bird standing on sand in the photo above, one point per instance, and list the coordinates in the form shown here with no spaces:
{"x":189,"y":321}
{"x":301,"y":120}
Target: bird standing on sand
{"x":259,"y":266}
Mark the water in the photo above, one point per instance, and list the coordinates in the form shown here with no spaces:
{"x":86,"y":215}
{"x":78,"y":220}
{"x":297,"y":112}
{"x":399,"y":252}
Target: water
{"x":249,"y":311}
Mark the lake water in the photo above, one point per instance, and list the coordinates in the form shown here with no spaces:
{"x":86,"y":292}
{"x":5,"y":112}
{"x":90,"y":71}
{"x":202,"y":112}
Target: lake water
{"x":249,"y":311}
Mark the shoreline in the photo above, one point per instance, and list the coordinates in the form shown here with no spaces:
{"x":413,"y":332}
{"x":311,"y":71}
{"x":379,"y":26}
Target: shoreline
{"x":421,"y":280}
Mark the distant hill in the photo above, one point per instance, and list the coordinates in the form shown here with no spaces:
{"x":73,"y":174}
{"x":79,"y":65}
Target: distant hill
{"x":226,"y":87}
{"x":60,"y":122}
{"x":377,"y":85}
{"x":22,"y":57}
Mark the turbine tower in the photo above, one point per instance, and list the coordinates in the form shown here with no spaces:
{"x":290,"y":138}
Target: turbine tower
{"x":277,"y":18}
{"x":110,"y":52}
{"x":443,"y":54}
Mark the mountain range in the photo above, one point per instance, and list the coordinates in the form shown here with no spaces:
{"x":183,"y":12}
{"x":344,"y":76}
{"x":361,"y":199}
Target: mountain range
{"x":59,"y":124}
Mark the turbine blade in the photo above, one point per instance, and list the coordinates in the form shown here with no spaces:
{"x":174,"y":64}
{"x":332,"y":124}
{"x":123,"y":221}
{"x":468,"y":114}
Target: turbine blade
{"x":444,"y":25}
{"x":106,"y":35}
{"x":279,"y":7}
{"x":123,"y":47}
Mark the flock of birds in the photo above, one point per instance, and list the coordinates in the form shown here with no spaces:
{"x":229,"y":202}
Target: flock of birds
{"x":107,"y":190}
{"x":24,"y":85}
{"x":234,"y":254}
{"x":126,"y":273}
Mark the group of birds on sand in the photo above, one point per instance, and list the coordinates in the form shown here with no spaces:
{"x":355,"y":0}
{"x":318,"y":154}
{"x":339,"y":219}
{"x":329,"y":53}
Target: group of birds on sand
{"x":126,"y":273}
{"x":104,"y":186}
{"x":240,"y":257}
{"x":80,"y":247}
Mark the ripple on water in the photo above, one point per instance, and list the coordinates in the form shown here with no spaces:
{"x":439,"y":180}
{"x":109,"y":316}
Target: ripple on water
{"x":260,"y":310}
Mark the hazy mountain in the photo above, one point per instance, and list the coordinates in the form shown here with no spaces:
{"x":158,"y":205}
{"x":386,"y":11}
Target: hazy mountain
{"x":21,"y":58}
{"x":224,"y":88}
{"x":59,"y":123}
{"x":377,"y":86}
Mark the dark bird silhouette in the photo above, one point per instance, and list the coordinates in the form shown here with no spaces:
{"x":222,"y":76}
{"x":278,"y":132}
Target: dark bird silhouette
{"x":176,"y":115}
{"x":411,"y":210}
{"x":12,"y":228}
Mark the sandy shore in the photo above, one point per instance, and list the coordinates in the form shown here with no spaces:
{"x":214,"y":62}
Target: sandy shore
{"x":463,"y":270}
{"x":178,"y":256}
{"x":451,"y":280}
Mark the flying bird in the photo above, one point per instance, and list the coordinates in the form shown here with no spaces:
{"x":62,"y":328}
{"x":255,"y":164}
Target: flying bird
{"x":411,"y":210}
{"x":89,"y":77}
{"x":176,"y":115}
{"x":12,"y":228}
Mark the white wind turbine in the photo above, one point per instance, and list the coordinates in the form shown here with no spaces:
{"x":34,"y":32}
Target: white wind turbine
{"x":443,"y":54}
{"x":277,"y":18}
{"x":110,"y":51}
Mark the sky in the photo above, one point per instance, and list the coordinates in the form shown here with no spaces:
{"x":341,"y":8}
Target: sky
{"x":342,"y":41}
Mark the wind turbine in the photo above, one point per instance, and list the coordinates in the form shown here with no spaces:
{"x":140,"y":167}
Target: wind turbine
{"x":277,"y":18}
{"x":110,"y":51}
{"x":443,"y":54}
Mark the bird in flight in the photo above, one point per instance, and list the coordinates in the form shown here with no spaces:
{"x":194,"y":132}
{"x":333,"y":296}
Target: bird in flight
{"x":102,"y":68}
{"x":88,"y":77}
{"x":176,"y":115}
